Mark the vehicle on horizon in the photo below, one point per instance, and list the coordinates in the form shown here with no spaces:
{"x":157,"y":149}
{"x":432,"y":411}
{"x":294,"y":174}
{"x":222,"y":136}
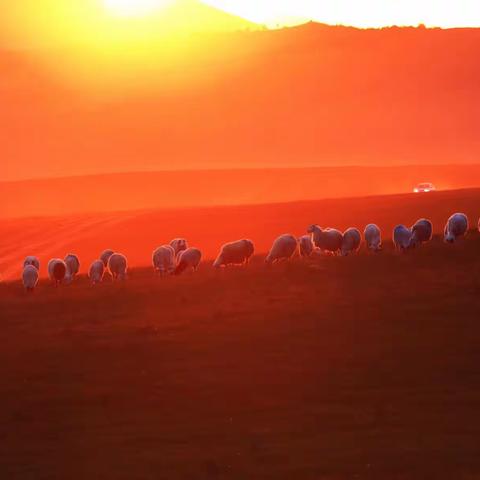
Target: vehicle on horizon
{"x":425,"y":188}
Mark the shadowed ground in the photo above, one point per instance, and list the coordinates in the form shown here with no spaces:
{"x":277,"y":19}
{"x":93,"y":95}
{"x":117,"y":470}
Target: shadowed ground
{"x":359,"y":367}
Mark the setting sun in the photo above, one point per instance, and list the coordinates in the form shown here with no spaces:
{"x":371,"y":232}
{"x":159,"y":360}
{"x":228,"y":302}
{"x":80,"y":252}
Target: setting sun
{"x":134,"y":7}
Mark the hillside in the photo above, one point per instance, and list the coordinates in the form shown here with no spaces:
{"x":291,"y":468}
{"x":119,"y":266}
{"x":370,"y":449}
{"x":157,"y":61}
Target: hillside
{"x":207,"y":188}
{"x":137,"y":233}
{"x":306,"y":96}
{"x":362,"y":367}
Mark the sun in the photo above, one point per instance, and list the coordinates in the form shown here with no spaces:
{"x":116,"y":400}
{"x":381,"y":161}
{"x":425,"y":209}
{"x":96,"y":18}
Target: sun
{"x":131,"y":8}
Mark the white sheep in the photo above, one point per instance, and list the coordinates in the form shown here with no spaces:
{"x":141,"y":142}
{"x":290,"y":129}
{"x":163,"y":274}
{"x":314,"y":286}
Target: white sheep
{"x":421,"y":232}
{"x":373,"y":237}
{"x":179,"y":245}
{"x":401,"y":237}
{"x":306,"y":245}
{"x":327,"y":240}
{"x":352,"y":238}
{"x":283,"y":248}
{"x":57,"y":271}
{"x":188,"y":259}
{"x":30,"y":277}
{"x":163,"y":260}
{"x":96,"y":272}
{"x":73,"y":267}
{"x":235,"y":253}
{"x":105,"y":256}
{"x":31,"y":260}
{"x":456,"y":227}
{"x":117,"y":266}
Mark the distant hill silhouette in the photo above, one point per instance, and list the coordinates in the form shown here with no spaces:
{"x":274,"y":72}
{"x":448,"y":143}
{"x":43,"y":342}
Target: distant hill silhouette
{"x":312,"y":95}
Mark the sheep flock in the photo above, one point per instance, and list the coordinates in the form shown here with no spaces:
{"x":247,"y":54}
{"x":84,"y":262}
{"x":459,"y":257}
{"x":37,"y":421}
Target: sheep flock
{"x":178,"y":257}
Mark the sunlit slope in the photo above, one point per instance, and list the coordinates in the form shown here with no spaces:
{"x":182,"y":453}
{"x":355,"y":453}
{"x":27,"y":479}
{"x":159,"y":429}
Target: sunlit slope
{"x":137,"y":234}
{"x":301,"y":97}
{"x":196,"y":188}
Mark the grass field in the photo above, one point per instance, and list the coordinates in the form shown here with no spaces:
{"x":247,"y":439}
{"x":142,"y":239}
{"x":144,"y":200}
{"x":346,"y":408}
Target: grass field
{"x":340,"y":368}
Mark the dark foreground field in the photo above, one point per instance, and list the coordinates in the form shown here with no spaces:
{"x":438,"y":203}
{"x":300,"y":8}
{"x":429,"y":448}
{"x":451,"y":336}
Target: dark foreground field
{"x":361,"y":367}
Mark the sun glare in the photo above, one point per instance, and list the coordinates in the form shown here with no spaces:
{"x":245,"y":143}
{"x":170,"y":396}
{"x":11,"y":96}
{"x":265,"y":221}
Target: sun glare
{"x":130,"y":8}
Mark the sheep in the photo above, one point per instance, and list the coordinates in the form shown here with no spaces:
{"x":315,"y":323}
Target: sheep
{"x":57,"y":269}
{"x":73,"y":266}
{"x":163,"y":260}
{"x":373,"y":237}
{"x":96,"y":272}
{"x":306,"y":245}
{"x":117,"y":266}
{"x":352,"y":238}
{"x":402,"y":237}
{"x":235,"y":253}
{"x":30,"y":278}
{"x":421,"y":232}
{"x":327,"y":240}
{"x":30,"y":260}
{"x":188,"y":259}
{"x":179,"y":245}
{"x":283,"y":248}
{"x":105,"y":256}
{"x":457,"y":226}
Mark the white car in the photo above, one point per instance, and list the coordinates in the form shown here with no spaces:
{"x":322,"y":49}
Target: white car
{"x":424,"y":188}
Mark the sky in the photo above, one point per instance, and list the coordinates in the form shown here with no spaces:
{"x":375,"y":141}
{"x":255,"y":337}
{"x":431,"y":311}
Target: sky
{"x":20,"y":14}
{"x":361,"y":13}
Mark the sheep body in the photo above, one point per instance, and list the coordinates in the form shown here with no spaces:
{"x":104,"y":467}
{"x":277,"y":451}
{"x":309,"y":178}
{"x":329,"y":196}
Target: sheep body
{"x":73,"y":266}
{"x":235,"y":253}
{"x":163,"y":260}
{"x":105,"y":256}
{"x":188,"y":259}
{"x":327,"y":240}
{"x":421,"y":232}
{"x":456,"y":227}
{"x":352,"y":238}
{"x":30,"y":277}
{"x":179,"y":245}
{"x":284,"y":247}
{"x":402,"y":237}
{"x":373,"y":237}
{"x":306,"y":245}
{"x":96,"y":272}
{"x":57,"y":269}
{"x":117,"y":266}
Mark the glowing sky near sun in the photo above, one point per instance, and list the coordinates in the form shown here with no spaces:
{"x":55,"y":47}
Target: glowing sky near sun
{"x":361,"y":13}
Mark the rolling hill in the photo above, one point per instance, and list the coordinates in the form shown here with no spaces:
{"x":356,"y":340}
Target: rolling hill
{"x":307,"y":96}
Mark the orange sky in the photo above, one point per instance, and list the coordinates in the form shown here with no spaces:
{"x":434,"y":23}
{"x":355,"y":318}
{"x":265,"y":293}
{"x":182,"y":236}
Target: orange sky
{"x":58,"y":21}
{"x":96,"y":87}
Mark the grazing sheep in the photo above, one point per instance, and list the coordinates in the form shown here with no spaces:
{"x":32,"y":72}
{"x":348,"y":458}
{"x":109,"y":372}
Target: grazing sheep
{"x":117,"y":266}
{"x":421,"y":232}
{"x":96,"y":272}
{"x":179,"y":245}
{"x":105,"y":256}
{"x":352,"y":238}
{"x":327,"y":240}
{"x":30,"y":260}
{"x":283,"y":248}
{"x":163,"y":260}
{"x":306,"y":245}
{"x":73,"y":267}
{"x":373,"y":237}
{"x":57,"y":271}
{"x":456,"y":227}
{"x":235,"y":253}
{"x":401,"y":237}
{"x":30,"y":277}
{"x":188,"y":259}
